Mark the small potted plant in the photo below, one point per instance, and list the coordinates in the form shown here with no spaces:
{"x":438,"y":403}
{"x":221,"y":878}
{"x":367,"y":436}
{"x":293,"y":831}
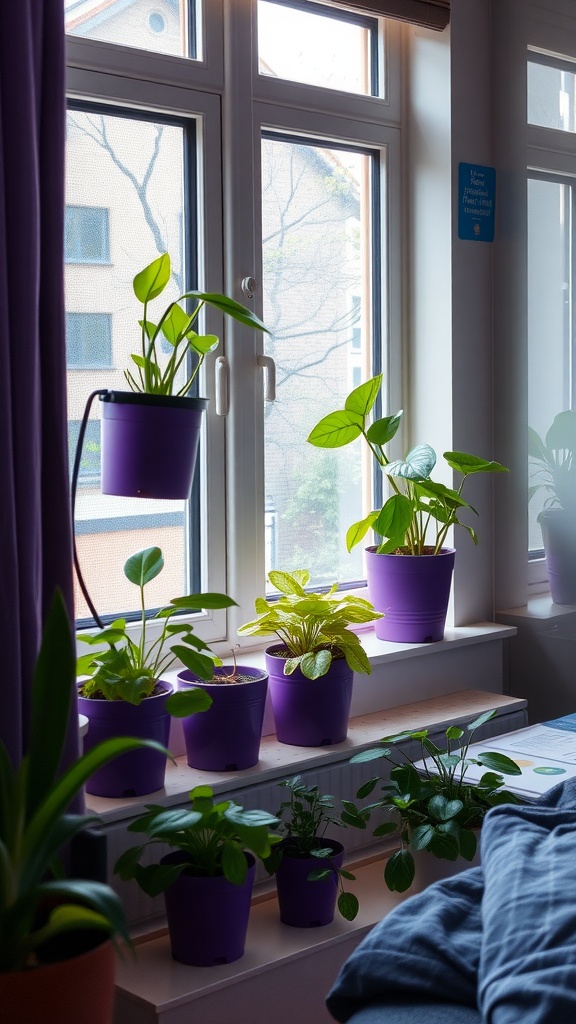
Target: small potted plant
{"x":226,"y":737}
{"x":311,"y":670}
{"x":553,"y":465}
{"x":410,"y":570}
{"x":139,"y":455}
{"x":54,"y":932}
{"x":308,"y":867}
{"x":124,"y":693}
{"x":207,"y":880}
{"x":434,"y":809}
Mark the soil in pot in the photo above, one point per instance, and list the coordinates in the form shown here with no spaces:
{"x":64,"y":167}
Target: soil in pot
{"x":227,"y":736}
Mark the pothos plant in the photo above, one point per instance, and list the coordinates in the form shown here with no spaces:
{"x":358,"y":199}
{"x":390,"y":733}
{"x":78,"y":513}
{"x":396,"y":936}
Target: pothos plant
{"x":553,"y":462}
{"x":177,"y":327}
{"x":417,"y":504}
{"x":128,"y":669}
{"x":304,"y":818}
{"x":313,"y":627}
{"x":432,"y":806}
{"x":213,"y":835}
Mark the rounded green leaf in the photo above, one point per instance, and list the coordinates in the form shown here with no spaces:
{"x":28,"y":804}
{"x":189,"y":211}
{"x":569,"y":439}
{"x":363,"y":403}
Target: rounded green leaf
{"x":417,"y":465}
{"x":399,"y":871}
{"x":336,"y":430}
{"x":499,"y":763}
{"x":202,"y":344}
{"x":562,"y":433}
{"x":361,"y":400}
{"x":144,"y":566}
{"x":348,"y":905}
{"x":188,"y":702}
{"x":289,"y":583}
{"x":382,"y":431}
{"x":466,"y":464}
{"x":395,"y":518}
{"x":315,"y":664}
{"x":151,"y":281}
{"x":359,"y":530}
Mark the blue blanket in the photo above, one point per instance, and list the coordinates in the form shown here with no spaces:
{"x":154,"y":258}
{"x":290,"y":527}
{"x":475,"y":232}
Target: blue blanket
{"x":501,"y":937}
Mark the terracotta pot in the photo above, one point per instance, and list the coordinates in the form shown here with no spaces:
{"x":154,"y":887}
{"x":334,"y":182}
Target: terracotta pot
{"x":75,"y":991}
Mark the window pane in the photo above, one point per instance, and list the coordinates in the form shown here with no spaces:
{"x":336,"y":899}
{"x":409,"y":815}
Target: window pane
{"x":149,"y":25}
{"x":86,"y":235}
{"x":317,"y":252}
{"x":550,"y":292}
{"x":316,"y":46}
{"x":134,"y":170}
{"x":551,"y":97}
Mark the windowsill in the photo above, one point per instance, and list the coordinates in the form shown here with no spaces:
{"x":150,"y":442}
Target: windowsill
{"x":539,"y":606}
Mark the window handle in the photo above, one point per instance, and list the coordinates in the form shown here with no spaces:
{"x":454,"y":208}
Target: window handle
{"x":269,"y":367}
{"x":222,"y":381}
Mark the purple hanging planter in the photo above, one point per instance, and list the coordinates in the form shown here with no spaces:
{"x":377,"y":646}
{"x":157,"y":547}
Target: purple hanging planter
{"x":413,"y":593}
{"x":226,"y":738}
{"x":559,"y":536}
{"x":149,"y":444}
{"x":304,"y":903}
{"x":309,"y":712}
{"x":140,"y":771}
{"x":207,"y":917}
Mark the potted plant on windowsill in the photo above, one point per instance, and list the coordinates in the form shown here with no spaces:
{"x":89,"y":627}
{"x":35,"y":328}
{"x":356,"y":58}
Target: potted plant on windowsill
{"x":311,"y":670}
{"x":208,"y":879}
{"x":434,"y":809}
{"x":125,"y":694}
{"x":410,"y":570}
{"x":226,"y":737}
{"x":150,"y":434}
{"x":56,"y":961}
{"x":553,"y":465}
{"x":308,"y":867}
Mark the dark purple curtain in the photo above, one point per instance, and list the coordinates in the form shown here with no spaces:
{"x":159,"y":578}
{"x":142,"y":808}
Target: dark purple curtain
{"x":35,"y":531}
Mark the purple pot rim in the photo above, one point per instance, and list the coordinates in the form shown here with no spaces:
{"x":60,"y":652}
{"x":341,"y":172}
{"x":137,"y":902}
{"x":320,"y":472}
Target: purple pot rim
{"x":392,"y":554}
{"x":165,"y":401}
{"x":177,"y":856}
{"x":288,"y":849}
{"x":271,"y":652}
{"x":260,"y":673}
{"x":167,"y":689}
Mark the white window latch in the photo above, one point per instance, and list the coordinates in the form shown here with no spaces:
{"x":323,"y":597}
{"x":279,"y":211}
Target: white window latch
{"x":221,"y":382}
{"x":269,"y":367}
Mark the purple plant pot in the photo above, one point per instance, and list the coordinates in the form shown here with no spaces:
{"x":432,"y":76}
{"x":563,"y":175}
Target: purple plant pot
{"x":310,"y":712}
{"x":413,"y":593}
{"x":304,"y":903}
{"x":140,"y":458}
{"x":140,"y":771}
{"x":559,"y":536}
{"x":207,"y":917}
{"x":226,"y":738}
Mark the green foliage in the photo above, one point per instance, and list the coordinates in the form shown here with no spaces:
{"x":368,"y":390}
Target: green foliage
{"x":312,"y":627}
{"x":127,"y":670}
{"x":553,"y":462}
{"x":213,"y":835}
{"x":304,"y":818}
{"x":177,"y":328}
{"x":36,"y":902}
{"x":433,"y":808}
{"x":417,"y":502}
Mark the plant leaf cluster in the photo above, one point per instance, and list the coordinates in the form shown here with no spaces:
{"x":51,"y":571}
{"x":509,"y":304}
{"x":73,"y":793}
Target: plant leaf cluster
{"x":433,"y":808}
{"x":304,"y":818}
{"x":37,"y":903}
{"x":553,"y":462}
{"x":417,"y":503}
{"x":213,"y":835}
{"x":176,"y":327}
{"x":312,"y":626}
{"x":128,"y":670}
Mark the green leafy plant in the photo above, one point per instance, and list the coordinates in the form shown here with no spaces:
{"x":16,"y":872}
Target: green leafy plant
{"x":553,"y":462}
{"x":176,"y":326}
{"x":312,"y":627}
{"x":38,"y":905}
{"x":213,"y":835}
{"x":417,"y":502}
{"x":127,"y":670}
{"x":304,"y":818}
{"x":434,"y":808}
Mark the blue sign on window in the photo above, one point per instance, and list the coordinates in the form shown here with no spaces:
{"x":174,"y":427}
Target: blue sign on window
{"x":476,"y":202}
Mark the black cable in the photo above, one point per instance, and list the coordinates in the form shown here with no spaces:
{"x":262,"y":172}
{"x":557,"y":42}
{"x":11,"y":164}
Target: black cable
{"x":74,"y":488}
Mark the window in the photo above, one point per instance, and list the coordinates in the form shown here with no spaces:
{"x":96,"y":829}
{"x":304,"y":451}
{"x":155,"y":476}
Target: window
{"x":89,"y":340}
{"x":89,"y":470}
{"x":551,"y":264}
{"x":293,"y":189}
{"x":86,"y":237}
